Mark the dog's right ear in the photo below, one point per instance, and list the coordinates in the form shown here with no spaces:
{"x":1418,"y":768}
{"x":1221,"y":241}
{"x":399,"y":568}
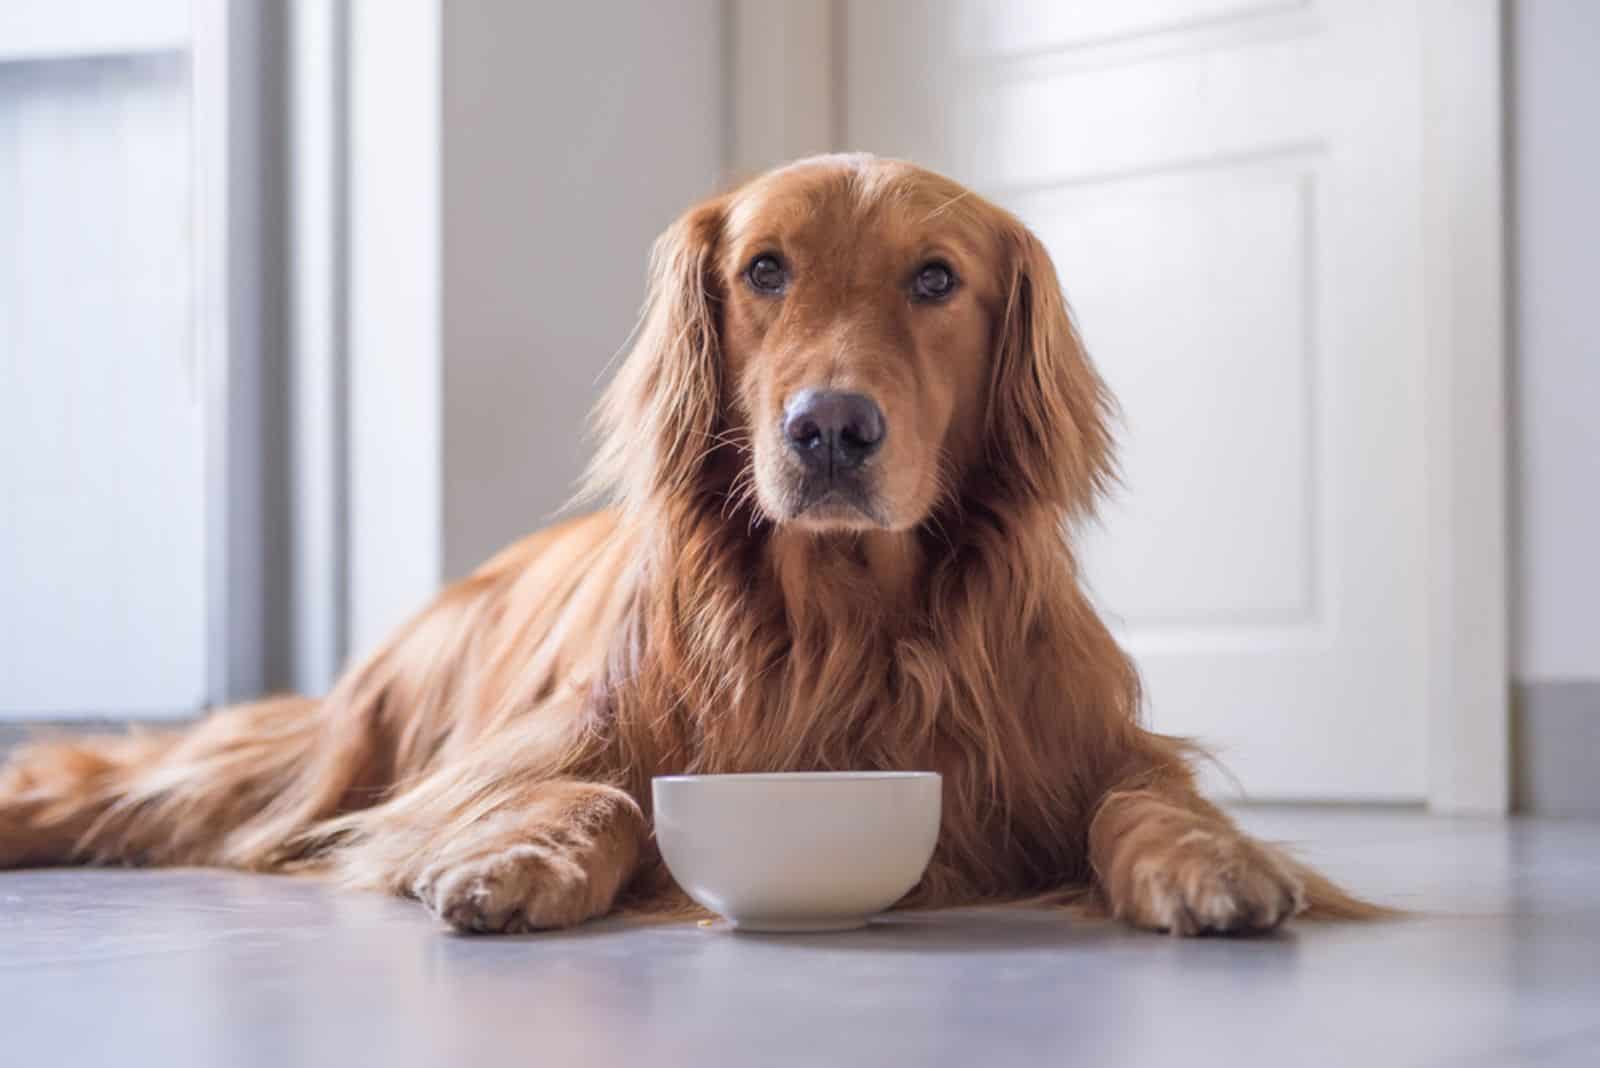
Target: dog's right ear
{"x":660,"y":414}
{"x":1050,"y":414}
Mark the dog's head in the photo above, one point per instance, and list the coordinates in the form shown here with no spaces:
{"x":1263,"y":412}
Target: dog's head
{"x":854,"y":343}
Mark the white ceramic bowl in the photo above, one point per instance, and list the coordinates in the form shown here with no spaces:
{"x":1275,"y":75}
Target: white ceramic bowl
{"x":804,"y":851}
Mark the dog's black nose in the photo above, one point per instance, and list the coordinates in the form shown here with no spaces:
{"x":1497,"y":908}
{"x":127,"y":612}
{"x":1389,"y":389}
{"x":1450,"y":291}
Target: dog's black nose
{"x":832,"y":430}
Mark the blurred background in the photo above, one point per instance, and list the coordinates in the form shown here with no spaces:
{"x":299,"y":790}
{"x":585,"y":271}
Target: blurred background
{"x":303,"y":302}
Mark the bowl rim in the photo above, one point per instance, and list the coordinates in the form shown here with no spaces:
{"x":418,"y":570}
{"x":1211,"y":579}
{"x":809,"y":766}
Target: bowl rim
{"x":797,"y":777}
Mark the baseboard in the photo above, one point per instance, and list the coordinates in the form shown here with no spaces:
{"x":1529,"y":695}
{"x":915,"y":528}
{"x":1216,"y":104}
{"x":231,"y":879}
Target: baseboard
{"x":15,"y":732}
{"x":1555,"y":745}
{"x":1555,"y":748}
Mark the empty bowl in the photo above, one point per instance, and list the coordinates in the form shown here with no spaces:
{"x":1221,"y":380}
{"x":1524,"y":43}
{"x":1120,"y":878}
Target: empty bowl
{"x":801,"y":851}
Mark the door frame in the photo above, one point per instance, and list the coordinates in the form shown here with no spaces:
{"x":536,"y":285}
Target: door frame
{"x":270,"y":110}
{"x":1465,"y":347}
{"x":232,"y":51}
{"x":1467,"y":329}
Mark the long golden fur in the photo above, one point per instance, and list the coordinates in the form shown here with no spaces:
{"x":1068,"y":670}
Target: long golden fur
{"x":493,"y":759}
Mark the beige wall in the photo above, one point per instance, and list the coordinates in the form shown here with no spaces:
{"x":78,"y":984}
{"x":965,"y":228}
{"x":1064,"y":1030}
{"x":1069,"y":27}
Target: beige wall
{"x":573,"y":133}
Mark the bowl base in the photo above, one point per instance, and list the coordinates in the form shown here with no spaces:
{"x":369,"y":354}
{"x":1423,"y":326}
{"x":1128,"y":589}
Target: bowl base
{"x":806,"y":925}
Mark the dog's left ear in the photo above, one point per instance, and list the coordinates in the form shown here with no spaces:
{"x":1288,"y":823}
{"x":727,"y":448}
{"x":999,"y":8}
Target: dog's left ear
{"x":1049,"y":414}
{"x":660,"y":414}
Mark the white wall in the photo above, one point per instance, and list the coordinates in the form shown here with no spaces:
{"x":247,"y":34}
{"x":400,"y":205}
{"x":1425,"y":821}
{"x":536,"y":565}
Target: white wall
{"x":1555,"y":100}
{"x":510,"y":164}
{"x":394,"y":330}
{"x":573,"y":133}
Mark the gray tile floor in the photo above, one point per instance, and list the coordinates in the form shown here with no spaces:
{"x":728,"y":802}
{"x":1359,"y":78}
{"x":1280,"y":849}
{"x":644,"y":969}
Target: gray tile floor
{"x":215,"y":969}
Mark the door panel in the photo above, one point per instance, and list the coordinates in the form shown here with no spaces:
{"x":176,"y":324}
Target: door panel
{"x":101,"y":466}
{"x":1189,"y":246}
{"x":1232,"y":194}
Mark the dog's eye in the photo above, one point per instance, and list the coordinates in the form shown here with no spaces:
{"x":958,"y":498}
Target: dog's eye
{"x":934,"y":281}
{"x":767,"y":274}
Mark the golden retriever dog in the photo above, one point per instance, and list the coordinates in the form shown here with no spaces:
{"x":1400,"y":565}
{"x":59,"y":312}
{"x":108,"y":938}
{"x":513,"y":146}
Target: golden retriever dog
{"x":843,"y":457}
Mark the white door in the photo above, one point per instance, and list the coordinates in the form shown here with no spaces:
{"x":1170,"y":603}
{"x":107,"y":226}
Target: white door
{"x":102,"y":509}
{"x":1231,"y":190}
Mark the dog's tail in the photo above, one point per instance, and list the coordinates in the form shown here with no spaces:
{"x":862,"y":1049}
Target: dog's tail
{"x":228,"y":790}
{"x":1326,"y":900}
{"x":243,"y":787}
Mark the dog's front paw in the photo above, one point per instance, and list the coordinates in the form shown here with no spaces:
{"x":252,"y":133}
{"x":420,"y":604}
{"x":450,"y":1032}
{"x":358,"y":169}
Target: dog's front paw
{"x":514,"y":887}
{"x":1208,"y":881}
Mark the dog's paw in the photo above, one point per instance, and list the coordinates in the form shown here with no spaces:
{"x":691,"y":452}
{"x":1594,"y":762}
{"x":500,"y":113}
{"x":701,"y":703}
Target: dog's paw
{"x":1210,"y":882}
{"x":519,"y":886}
